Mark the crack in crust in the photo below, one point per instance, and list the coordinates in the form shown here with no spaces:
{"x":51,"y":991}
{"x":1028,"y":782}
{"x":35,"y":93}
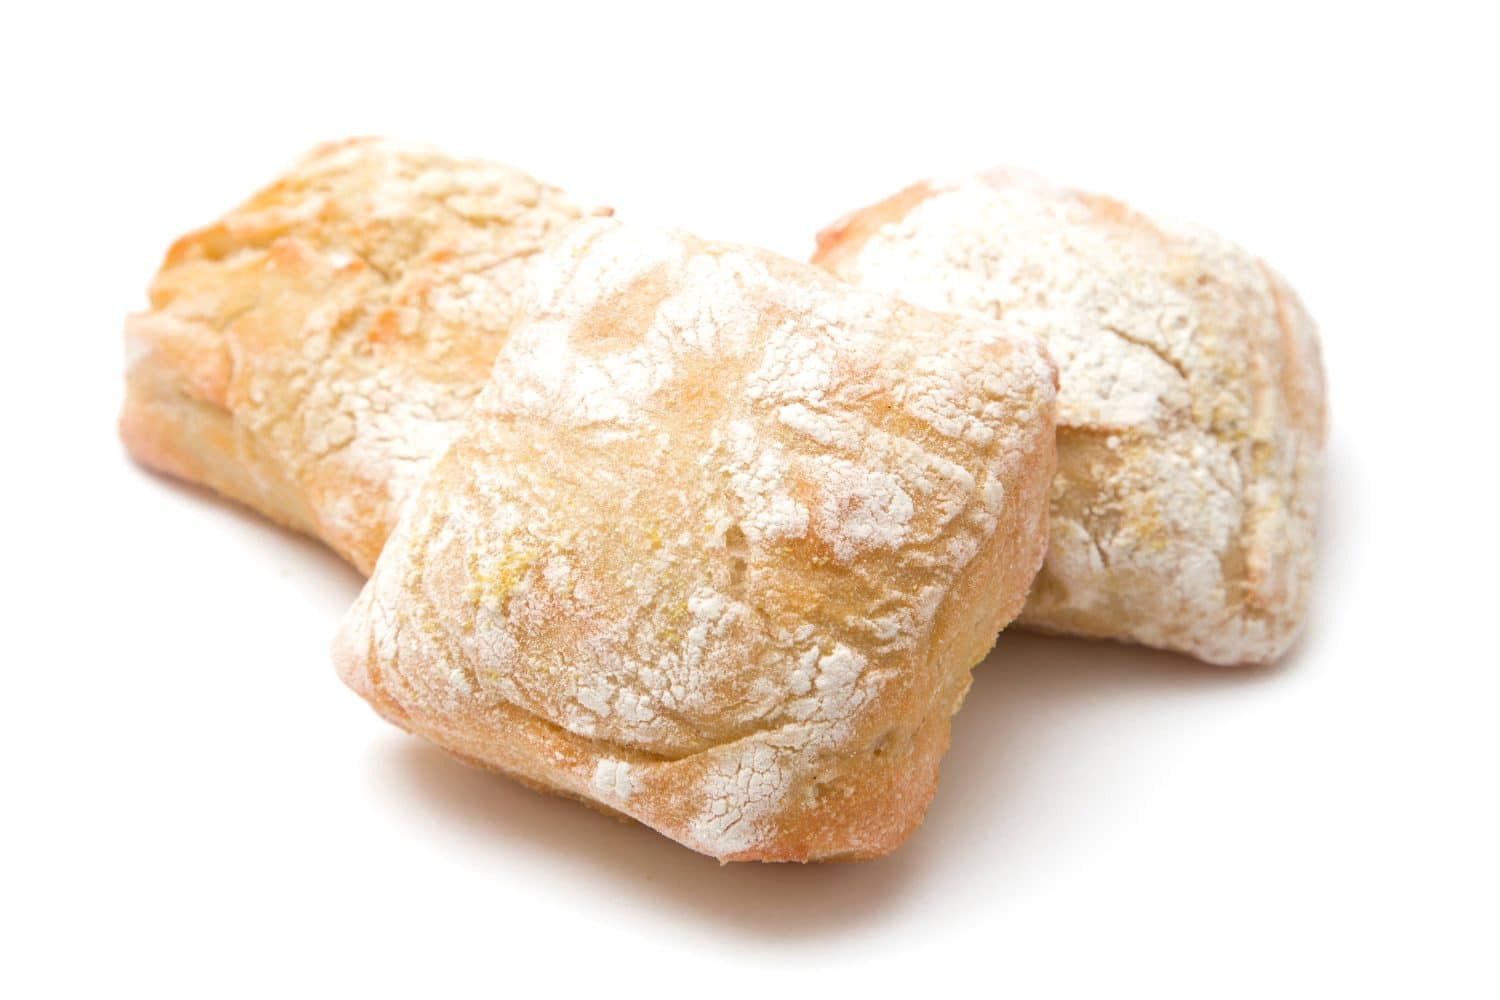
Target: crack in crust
{"x":310,"y":353}
{"x":1191,"y":415}
{"x":717,"y":547}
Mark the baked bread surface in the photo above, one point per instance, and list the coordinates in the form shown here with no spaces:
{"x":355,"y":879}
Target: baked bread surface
{"x":1191,"y":414}
{"x":717,"y":547}
{"x":313,"y":350}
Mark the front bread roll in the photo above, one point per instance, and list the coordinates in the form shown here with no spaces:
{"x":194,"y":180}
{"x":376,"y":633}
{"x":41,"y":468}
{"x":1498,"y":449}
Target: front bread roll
{"x":717,"y":546}
{"x":312,"y":351}
{"x":1190,"y":418}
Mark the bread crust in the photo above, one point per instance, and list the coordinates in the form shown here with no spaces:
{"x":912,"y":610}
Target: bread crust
{"x":717,"y":547}
{"x":310,"y":353}
{"x":1191,"y":418}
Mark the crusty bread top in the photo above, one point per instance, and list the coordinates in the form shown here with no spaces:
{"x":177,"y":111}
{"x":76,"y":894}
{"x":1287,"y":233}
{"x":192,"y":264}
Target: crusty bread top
{"x":346,"y":315}
{"x":710,"y":521}
{"x":1191,"y":413}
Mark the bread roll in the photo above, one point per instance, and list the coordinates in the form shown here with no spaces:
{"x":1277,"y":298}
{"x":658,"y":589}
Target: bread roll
{"x":1191,"y":414}
{"x":312,"y":351}
{"x":717,"y":547}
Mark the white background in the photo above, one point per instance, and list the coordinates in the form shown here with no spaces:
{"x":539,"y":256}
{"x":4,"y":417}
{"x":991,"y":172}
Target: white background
{"x":193,"y":805}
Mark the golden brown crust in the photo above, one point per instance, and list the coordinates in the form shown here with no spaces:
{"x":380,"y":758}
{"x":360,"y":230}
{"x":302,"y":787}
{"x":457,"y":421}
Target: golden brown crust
{"x":171,"y":423}
{"x":1191,"y":417}
{"x":311,"y":351}
{"x":839,"y":241}
{"x":717,"y":548}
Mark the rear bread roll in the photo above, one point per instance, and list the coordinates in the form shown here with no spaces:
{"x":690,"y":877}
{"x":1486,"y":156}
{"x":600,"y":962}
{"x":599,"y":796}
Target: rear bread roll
{"x":717,"y":546}
{"x":311,"y":352}
{"x":1191,"y":413}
